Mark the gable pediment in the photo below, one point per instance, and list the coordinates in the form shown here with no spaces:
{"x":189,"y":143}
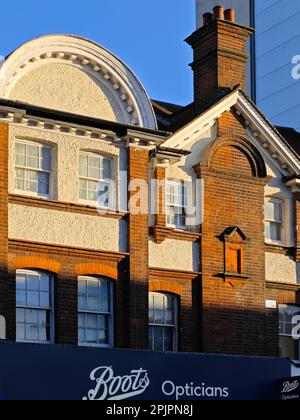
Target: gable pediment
{"x":259,"y":131}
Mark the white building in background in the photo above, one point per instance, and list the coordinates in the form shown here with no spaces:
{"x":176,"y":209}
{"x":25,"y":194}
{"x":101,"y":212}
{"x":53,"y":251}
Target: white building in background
{"x":275,"y":44}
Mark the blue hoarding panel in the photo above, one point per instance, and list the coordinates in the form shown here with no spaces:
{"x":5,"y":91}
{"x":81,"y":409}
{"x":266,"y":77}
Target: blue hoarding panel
{"x":31,"y":372}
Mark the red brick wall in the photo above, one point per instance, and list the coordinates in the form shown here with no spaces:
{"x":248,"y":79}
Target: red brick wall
{"x":234,"y":318}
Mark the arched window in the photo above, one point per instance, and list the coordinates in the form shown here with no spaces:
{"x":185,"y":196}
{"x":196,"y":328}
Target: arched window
{"x":35,"y":307}
{"x":289,"y":346}
{"x":95,"y":312}
{"x":163,"y":322}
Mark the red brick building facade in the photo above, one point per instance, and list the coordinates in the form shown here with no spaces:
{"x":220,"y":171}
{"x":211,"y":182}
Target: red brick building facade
{"x":218,"y":287}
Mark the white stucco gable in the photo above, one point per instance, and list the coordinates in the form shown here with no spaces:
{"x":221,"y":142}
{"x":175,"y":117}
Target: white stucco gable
{"x":72,"y":74}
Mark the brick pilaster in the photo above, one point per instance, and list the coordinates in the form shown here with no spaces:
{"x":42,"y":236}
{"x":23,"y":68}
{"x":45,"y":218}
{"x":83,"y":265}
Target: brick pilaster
{"x":138,"y":248}
{"x":296,"y":211}
{"x":5,"y":283}
{"x":160,"y":177}
{"x":66,"y":307}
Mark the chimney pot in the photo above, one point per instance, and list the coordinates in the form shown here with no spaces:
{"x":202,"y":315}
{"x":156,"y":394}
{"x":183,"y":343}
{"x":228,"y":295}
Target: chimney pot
{"x":230,"y":15}
{"x":219,"y":12}
{"x":207,"y":19}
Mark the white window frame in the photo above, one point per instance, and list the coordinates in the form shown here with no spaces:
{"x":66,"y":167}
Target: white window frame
{"x":281,"y":201}
{"x":27,"y":168}
{"x":182,"y":207}
{"x":283,"y":308}
{"x":91,"y":202}
{"x":173,"y":326}
{"x":110,"y":314}
{"x":51,"y":310}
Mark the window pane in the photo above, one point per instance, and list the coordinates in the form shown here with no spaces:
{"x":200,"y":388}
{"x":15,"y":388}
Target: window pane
{"x":104,"y":305}
{"x":32,"y":333}
{"x":103,"y":337}
{"x":81,"y":335}
{"x":158,"y":309}
{"x":21,"y":282}
{"x":44,"y":300}
{"x":93,"y":288}
{"x":33,"y":299}
{"x":91,"y":336}
{"x":275,"y":232}
{"x":42,"y":317}
{"x":21,"y":298}
{"x":83,"y":195}
{"x":32,"y":162}
{"x":104,"y":289}
{"x":31,"y":317}
{"x":82,"y":303}
{"x":92,"y":321}
{"x":82,"y":287}
{"x":274,"y":210}
{"x":94,"y":173}
{"x":158,"y":339}
{"x":20,"y":160}
{"x":44,"y":283}
{"x":46,"y":159}
{"x":93,"y":304}
{"x":92,"y":195}
{"x":20,"y":315}
{"x":20,"y":148}
{"x":83,"y":166}
{"x":94,"y":162}
{"x":46,"y":152}
{"x":20,"y":185}
{"x":107,"y":169}
{"x":32,"y":150}
{"x":33,"y":282}
{"x":169,"y":339}
{"x":103,"y":194}
{"x":81,"y":321}
{"x":151,"y":343}
{"x":43,"y":333}
{"x":20,"y":332}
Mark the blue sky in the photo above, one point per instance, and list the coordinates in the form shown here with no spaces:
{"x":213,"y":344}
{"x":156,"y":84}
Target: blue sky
{"x":147,"y":35}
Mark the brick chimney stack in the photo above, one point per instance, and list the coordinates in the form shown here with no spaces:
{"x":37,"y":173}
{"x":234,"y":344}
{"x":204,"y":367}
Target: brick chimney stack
{"x":219,"y":56}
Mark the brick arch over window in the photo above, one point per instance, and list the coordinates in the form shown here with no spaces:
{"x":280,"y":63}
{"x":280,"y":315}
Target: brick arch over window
{"x":289,"y":298}
{"x":236,"y":155}
{"x":37,"y":263}
{"x":96,"y":269}
{"x":165,"y":287}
